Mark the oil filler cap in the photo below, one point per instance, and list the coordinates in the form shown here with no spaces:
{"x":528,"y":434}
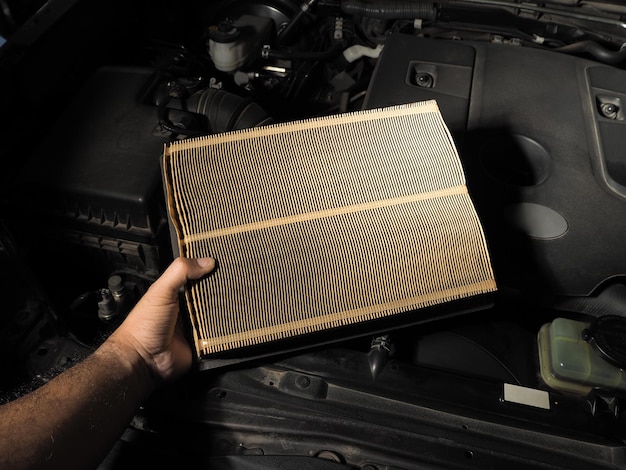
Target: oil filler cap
{"x":607,"y":334}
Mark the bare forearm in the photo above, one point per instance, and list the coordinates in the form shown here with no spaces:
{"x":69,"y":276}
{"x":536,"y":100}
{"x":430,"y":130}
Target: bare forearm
{"x":73,"y":421}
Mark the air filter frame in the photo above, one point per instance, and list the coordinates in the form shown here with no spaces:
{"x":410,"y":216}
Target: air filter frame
{"x":370,"y":220}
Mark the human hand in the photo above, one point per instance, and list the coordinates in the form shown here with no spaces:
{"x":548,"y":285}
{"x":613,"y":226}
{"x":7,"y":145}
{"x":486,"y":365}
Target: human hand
{"x":152,"y":329}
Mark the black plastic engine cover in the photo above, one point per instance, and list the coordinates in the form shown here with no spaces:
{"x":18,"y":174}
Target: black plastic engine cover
{"x":543,"y":161}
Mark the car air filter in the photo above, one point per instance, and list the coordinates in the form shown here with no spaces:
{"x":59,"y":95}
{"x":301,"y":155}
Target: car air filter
{"x":323,"y":223}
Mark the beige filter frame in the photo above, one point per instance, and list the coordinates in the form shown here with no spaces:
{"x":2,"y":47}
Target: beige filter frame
{"x":322,"y":223}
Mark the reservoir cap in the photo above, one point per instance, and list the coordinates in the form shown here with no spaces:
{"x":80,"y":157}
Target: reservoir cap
{"x":607,"y":334}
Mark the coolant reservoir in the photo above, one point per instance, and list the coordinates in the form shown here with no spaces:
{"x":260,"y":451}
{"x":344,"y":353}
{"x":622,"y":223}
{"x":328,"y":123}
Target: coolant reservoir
{"x":232,"y":44}
{"x":577,"y":356}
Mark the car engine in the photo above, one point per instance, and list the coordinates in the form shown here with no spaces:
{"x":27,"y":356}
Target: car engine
{"x":534,"y":96}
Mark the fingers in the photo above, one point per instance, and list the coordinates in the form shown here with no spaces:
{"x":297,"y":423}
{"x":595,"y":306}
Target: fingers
{"x":179,"y":272}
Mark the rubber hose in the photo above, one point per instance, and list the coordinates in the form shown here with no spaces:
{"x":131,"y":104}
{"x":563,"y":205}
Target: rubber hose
{"x":595,"y":50}
{"x":394,"y":9}
{"x":227,"y":111}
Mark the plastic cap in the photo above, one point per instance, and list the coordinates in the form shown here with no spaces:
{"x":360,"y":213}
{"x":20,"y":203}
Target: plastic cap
{"x":224,"y":32}
{"x":607,"y":335}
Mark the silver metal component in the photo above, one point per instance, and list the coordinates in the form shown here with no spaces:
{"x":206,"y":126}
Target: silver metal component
{"x":116,"y":287}
{"x":107,"y":307}
{"x":216,"y":85}
{"x":497,"y":39}
{"x":381,"y":343}
{"x":265,"y":51}
{"x":338,"y":34}
{"x":274,"y":69}
{"x":306,"y":6}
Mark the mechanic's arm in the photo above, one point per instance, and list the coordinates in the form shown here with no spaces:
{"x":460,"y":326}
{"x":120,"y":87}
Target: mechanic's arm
{"x":74,"y":420}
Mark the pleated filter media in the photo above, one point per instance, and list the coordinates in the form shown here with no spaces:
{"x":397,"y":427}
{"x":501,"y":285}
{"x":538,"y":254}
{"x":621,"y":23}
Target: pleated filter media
{"x":323,"y":223}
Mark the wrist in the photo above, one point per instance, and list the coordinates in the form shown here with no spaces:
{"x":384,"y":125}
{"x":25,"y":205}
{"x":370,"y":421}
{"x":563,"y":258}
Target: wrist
{"x":116,"y":351}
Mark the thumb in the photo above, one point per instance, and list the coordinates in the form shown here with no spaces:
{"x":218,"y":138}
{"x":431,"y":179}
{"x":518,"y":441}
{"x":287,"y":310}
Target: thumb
{"x":169,"y":284}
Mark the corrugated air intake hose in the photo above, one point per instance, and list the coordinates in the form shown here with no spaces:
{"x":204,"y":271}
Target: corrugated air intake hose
{"x":394,"y":9}
{"x":227,"y":111}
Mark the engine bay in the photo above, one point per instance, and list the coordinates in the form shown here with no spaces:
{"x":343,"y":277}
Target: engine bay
{"x":533,"y":95}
